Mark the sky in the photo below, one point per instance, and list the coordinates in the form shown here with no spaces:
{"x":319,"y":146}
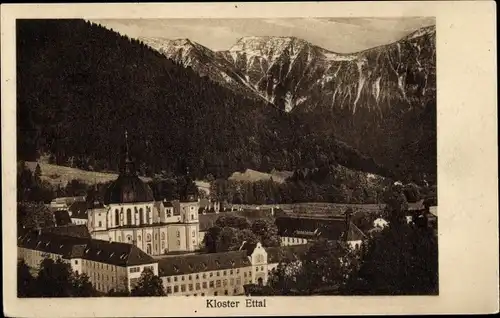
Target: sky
{"x":342,"y":35}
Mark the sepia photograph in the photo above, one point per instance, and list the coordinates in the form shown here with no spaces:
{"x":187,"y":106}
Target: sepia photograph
{"x":216,"y":157}
{"x":235,"y":160}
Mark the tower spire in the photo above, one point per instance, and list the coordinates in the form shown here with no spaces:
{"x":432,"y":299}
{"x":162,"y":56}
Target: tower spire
{"x":126,"y":145}
{"x":129,"y":164}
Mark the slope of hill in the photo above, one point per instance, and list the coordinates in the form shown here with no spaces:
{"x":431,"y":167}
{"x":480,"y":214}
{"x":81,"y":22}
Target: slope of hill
{"x":252,"y":176}
{"x":80,"y":86}
{"x":60,"y":176}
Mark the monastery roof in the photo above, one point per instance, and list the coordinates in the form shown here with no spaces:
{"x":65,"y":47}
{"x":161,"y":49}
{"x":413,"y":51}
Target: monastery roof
{"x":119,"y":254}
{"x":61,"y":217}
{"x":78,"y":210}
{"x":69,"y":230}
{"x":181,"y":265}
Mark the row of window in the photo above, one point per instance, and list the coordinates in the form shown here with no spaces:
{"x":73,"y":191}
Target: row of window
{"x":295,"y":240}
{"x":139,"y":215}
{"x":96,"y":265}
{"x":204,"y":285}
{"x":148,"y":236}
{"x":210,"y":274}
{"x":138,"y":268}
{"x":226,"y":292}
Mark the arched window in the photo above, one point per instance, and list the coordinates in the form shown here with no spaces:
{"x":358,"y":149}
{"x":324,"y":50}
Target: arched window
{"x":156,"y":236}
{"x":141,"y":216}
{"x":148,"y":237}
{"x":163,"y":235}
{"x":192,"y":216}
{"x":138,"y":237}
{"x":178,"y":234}
{"x":129,"y":216}
{"x":129,"y":238}
{"x":117,"y":217}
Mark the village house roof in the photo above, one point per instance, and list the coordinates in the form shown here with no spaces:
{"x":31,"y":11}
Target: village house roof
{"x":188,"y":264}
{"x":78,"y":210}
{"x":114,"y":253}
{"x":68,"y":200}
{"x":355,"y":234}
{"x":61,"y":217}
{"x":311,"y":227}
{"x":69,"y":230}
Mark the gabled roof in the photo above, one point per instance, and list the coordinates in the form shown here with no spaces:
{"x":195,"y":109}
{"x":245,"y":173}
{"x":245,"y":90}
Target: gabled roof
{"x":355,"y":234}
{"x":69,"y":230}
{"x":114,"y":253}
{"x":61,"y":217}
{"x":311,"y":227}
{"x":78,"y":210}
{"x":182,"y":264}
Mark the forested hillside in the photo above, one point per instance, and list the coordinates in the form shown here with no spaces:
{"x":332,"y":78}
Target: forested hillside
{"x":80,"y":86}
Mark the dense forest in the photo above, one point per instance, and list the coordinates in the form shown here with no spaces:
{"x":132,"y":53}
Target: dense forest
{"x":80,"y":86}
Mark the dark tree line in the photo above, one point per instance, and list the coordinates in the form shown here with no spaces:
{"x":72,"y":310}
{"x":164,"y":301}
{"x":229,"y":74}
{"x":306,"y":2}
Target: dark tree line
{"x":80,"y":86}
{"x":334,"y":184}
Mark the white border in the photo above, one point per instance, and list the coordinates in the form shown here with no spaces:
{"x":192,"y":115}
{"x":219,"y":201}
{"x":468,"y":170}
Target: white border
{"x":467,"y":165}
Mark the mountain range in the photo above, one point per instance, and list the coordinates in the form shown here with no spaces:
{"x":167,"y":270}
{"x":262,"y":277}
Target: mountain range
{"x":380,"y":100}
{"x":80,"y":86}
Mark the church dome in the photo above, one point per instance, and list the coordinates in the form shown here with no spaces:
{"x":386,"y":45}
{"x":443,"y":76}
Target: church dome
{"x":128,"y":189}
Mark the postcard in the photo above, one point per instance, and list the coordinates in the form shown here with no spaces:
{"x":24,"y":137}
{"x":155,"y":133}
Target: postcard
{"x":222,"y":159}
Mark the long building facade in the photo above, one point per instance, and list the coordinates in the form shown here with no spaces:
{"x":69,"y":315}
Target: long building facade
{"x":118,"y":266}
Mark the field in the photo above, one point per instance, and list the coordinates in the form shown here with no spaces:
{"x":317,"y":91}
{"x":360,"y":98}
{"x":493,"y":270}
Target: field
{"x":61,"y":175}
{"x":325,"y":208}
{"x":252,"y":175}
